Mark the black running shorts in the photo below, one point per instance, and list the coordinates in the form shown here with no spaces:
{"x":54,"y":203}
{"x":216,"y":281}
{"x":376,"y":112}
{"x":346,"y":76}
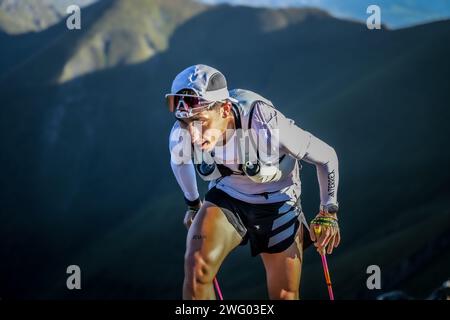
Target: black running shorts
{"x":269,"y":227}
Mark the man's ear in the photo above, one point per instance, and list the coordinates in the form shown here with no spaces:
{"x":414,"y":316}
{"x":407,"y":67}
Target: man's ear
{"x":226,"y":109}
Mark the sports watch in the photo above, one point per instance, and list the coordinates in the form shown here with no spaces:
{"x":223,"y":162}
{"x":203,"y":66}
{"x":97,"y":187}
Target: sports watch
{"x":330,"y":208}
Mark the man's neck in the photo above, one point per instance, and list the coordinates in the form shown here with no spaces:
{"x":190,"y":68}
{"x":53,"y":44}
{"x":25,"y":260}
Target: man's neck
{"x":229,"y":132}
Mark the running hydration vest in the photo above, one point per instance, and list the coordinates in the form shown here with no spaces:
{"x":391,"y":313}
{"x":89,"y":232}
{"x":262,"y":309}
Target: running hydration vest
{"x":257,"y":171}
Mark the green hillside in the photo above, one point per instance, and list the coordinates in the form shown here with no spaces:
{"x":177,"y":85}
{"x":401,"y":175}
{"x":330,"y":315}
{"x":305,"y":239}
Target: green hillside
{"x":86,"y":178}
{"x":112,"y":33}
{"x":22,"y":16}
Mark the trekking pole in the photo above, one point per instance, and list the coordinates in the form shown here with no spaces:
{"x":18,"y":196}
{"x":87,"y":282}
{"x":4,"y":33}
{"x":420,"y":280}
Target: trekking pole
{"x":216,"y":285}
{"x":326,"y":272}
{"x":327,"y":275}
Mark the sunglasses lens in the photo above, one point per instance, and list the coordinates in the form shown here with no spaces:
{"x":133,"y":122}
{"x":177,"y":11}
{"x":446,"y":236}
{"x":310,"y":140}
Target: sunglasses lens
{"x":189,"y":102}
{"x":186,"y":105}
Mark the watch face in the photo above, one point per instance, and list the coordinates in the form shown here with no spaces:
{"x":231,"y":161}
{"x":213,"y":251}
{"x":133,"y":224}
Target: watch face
{"x":332,"y":208}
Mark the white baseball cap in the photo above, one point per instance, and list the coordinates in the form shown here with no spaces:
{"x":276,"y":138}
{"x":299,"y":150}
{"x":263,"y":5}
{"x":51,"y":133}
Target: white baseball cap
{"x":207,"y":82}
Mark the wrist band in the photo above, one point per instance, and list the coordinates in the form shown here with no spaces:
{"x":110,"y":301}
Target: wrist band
{"x":325,"y":221}
{"x":193,"y":203}
{"x":328,"y":215}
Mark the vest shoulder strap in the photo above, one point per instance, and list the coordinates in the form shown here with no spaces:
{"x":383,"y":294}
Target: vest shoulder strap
{"x":246,"y":103}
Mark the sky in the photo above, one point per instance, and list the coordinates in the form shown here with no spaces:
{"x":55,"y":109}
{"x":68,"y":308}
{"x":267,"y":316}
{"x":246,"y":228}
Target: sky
{"x":394,"y":13}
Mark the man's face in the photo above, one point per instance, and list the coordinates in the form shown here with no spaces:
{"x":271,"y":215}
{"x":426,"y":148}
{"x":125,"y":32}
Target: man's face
{"x":207,"y":127}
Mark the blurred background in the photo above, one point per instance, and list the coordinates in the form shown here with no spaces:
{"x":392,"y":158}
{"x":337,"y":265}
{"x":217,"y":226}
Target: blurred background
{"x":85,"y":175}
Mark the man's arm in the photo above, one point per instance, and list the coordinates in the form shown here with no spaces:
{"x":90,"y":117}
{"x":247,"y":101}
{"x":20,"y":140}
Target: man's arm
{"x":182,"y":166}
{"x":185,"y":175}
{"x":326,"y":161}
{"x":324,"y":229}
{"x":302,"y":145}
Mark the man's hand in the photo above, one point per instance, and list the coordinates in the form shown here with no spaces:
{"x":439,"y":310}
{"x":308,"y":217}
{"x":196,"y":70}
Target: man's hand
{"x":324,"y":232}
{"x":190,"y":214}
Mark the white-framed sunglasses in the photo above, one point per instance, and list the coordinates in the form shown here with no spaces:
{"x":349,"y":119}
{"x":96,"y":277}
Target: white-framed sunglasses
{"x":186,"y":106}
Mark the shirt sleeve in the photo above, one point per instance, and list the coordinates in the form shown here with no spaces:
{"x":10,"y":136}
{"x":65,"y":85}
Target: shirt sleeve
{"x":326,"y":161}
{"x":181,"y":162}
{"x":302,"y":145}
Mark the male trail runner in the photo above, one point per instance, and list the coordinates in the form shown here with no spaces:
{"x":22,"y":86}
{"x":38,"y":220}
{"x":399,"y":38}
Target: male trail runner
{"x":249,"y":200}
